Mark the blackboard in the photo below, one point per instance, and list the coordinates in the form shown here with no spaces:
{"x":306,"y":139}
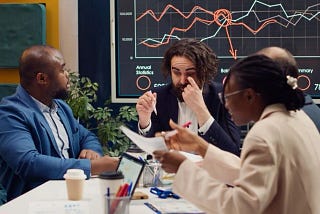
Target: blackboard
{"x":141,"y":30}
{"x":21,"y":25}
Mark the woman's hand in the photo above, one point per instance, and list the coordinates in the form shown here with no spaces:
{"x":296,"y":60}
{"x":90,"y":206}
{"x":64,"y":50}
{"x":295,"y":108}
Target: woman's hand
{"x":170,"y":160}
{"x":185,"y":140}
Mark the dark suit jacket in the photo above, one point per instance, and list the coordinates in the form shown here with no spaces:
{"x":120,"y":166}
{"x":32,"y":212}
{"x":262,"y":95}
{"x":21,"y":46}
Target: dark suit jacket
{"x":312,"y":110}
{"x":223,"y":133}
{"x":29,"y":155}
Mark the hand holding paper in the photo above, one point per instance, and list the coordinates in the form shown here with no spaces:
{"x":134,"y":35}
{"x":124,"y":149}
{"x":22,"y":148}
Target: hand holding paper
{"x":151,"y":144}
{"x":146,"y":144}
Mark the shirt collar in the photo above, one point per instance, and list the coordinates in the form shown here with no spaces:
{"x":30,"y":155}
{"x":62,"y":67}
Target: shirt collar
{"x":44,"y":108}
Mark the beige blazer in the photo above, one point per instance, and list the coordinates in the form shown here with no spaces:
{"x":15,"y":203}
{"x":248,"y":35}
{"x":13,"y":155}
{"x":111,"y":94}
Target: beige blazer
{"x":278,"y":171}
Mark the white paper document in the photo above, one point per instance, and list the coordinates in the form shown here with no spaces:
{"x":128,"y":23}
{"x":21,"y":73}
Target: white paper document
{"x":59,"y":207}
{"x":179,"y":206}
{"x":150,"y":144}
{"x":147,"y":144}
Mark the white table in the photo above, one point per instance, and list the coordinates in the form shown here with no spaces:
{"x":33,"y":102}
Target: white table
{"x":56,"y":192}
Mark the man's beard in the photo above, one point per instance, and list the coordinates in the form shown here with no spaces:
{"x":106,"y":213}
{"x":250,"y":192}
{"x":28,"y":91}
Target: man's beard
{"x":178,"y":89}
{"x":62,"y":94}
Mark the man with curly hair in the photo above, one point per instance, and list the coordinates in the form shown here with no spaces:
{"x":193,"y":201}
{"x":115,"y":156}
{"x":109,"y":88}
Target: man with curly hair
{"x":191,"y":96}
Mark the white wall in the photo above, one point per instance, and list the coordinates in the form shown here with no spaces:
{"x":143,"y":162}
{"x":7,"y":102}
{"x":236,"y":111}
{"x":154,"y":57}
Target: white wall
{"x":68,"y":30}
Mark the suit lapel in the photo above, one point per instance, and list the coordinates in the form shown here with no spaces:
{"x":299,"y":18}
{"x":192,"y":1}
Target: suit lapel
{"x":27,"y":99}
{"x":205,"y":94}
{"x":172,"y":107}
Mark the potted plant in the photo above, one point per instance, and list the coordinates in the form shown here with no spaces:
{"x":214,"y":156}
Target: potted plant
{"x":105,"y":120}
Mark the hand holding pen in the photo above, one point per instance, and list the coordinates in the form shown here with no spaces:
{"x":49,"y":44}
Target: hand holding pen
{"x":146,"y":104}
{"x":154,"y":103}
{"x":153,"y":100}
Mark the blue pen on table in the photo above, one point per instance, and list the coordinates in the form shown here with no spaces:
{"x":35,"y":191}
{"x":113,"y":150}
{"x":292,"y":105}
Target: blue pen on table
{"x":108,"y":191}
{"x":108,"y":198}
{"x":129,"y":189}
{"x":152,"y":207}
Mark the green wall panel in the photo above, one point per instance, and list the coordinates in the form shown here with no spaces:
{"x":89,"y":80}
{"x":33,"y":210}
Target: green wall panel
{"x":21,"y":25}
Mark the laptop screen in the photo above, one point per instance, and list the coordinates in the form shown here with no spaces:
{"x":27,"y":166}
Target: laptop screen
{"x":131,"y":168}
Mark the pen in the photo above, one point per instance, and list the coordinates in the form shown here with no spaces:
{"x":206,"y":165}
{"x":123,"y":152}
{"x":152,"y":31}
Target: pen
{"x":108,"y":191}
{"x":154,"y":109}
{"x":187,"y":124}
{"x":108,"y":198}
{"x":129,"y":189}
{"x":154,"y":106}
{"x":173,"y":132}
{"x":147,"y":167}
{"x":144,"y":160}
{"x":122,"y":191}
{"x":152,"y":207}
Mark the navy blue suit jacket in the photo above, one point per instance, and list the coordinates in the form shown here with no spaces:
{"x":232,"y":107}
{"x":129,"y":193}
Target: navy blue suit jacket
{"x":223,"y":133}
{"x":312,"y":110}
{"x":29,"y":155}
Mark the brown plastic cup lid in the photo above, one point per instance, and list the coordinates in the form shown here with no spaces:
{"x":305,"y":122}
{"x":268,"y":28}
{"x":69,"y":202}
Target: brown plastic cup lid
{"x":112,"y":175}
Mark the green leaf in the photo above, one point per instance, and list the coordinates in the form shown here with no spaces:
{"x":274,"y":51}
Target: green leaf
{"x":104,"y":120}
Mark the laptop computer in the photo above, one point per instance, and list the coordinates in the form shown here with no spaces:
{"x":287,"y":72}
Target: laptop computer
{"x":131,"y":168}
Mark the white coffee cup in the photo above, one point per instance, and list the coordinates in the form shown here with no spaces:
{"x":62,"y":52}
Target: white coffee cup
{"x":75,"y":182}
{"x":112,"y":180}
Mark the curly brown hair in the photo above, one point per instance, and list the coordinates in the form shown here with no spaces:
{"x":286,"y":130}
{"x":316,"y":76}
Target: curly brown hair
{"x":200,"y":54}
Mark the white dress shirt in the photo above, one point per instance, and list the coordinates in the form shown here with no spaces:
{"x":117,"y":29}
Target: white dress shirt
{"x":185,"y":114}
{"x":57,"y":128}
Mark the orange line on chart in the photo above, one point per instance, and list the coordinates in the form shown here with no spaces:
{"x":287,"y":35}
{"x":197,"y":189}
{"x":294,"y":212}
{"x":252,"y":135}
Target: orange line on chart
{"x":222,"y":14}
{"x":177,"y":29}
{"x":227,"y":21}
{"x":174,"y":8}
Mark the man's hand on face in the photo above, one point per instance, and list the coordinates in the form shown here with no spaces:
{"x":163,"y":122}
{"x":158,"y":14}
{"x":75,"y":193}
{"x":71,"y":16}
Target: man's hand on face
{"x":193,"y":97}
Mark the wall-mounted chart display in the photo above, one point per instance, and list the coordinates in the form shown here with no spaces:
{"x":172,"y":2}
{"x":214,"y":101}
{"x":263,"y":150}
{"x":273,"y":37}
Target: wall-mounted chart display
{"x":143,"y":29}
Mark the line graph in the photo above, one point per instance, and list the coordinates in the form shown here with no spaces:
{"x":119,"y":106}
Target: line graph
{"x":260,"y":20}
{"x":144,"y":29}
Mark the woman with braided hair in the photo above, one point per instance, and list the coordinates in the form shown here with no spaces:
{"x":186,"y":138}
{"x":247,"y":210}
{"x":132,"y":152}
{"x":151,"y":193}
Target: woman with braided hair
{"x":277,"y":171}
